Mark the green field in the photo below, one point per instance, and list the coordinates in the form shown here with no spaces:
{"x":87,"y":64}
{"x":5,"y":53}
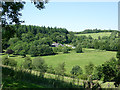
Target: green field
{"x":90,"y":55}
{"x":97,"y":57}
{"x":95,"y":35}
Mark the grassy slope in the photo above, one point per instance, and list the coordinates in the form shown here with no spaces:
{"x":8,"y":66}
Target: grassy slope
{"x":95,"y":35}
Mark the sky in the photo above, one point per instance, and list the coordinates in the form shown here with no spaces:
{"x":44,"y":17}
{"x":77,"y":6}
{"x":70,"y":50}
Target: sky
{"x":74,"y":16}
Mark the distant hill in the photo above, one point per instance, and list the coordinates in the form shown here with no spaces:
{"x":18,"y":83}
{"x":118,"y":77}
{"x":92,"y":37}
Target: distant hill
{"x":95,"y":35}
{"x":94,"y":31}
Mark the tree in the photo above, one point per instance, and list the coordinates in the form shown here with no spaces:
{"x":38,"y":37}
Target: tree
{"x":27,"y":63}
{"x":11,"y":11}
{"x":12,"y":41}
{"x":76,"y":71}
{"x":98,"y":72}
{"x":39,"y":65}
{"x":109,"y":70}
{"x":60,"y":70}
{"x":78,"y":49}
{"x":117,"y":78}
{"x":27,"y":37}
{"x":33,"y":51}
{"x":89,"y":68}
{"x":51,"y":69}
{"x":22,"y":53}
{"x":65,"y":50}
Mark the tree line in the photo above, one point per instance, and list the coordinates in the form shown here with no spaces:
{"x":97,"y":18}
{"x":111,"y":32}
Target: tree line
{"x":109,"y":43}
{"x":94,"y":31}
{"x":35,"y":40}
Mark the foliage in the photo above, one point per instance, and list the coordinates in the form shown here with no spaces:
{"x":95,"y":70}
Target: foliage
{"x":60,"y":70}
{"x":109,"y":70}
{"x":98,"y":72}
{"x":107,"y":41}
{"x":89,"y":68}
{"x":94,"y":31}
{"x":39,"y":65}
{"x":51,"y":69}
{"x":78,"y":49}
{"x":11,"y":11}
{"x":76,"y":70}
{"x":9,"y":61}
{"x":65,"y":50}
{"x":27,"y":64}
{"x":26,"y":76}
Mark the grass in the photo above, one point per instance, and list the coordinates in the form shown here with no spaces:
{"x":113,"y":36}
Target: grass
{"x":97,"y":57}
{"x":9,"y":83}
{"x":95,"y":35}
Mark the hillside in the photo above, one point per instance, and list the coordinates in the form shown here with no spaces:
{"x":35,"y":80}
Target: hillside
{"x":95,"y":35}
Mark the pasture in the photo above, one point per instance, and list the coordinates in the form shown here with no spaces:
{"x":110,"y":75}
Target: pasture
{"x":95,"y":35}
{"x":71,"y":59}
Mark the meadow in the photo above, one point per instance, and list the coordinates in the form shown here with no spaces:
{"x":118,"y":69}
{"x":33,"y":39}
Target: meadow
{"x":95,"y":35}
{"x":71,"y":59}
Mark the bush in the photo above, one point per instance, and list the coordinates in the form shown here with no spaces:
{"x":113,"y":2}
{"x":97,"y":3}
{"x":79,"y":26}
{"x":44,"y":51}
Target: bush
{"x":5,"y":60}
{"x":9,"y":61}
{"x":12,"y":62}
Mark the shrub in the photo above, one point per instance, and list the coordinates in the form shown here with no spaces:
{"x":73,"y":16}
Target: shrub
{"x":9,"y":61}
{"x":12,"y":62}
{"x":5,"y":60}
